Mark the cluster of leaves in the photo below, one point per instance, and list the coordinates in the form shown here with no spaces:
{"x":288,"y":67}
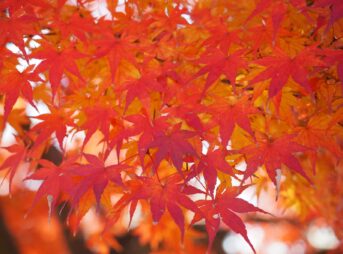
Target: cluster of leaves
{"x":177,"y":96}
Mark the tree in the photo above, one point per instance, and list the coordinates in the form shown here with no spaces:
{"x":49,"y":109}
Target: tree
{"x":175,"y":107}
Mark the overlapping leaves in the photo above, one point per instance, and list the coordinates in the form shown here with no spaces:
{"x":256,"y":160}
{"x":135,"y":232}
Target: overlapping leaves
{"x":154,"y":83}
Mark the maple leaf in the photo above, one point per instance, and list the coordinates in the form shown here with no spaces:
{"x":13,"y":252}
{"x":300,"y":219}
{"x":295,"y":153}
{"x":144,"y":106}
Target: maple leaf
{"x":272,"y":153}
{"x":56,"y":180}
{"x":218,"y":63}
{"x":227,"y":115}
{"x":190,"y":111}
{"x":118,"y":134}
{"x":12,"y":162}
{"x":173,"y":145}
{"x":170,"y":195}
{"x":209,"y":164}
{"x":22,"y":25}
{"x":280,"y":67}
{"x":125,"y":21}
{"x":168,"y":71}
{"x":224,"y":207}
{"x":190,"y":115}
{"x":115,"y":48}
{"x":54,"y":122}
{"x":141,"y":88}
{"x":257,"y":42}
{"x":96,"y":175}
{"x":98,"y":117}
{"x":222,"y":37}
{"x":314,"y":133}
{"x":77,"y":25}
{"x":14,"y":84}
{"x":57,"y":61}
{"x":278,"y":11}
{"x":142,"y":124}
{"x":165,"y":23}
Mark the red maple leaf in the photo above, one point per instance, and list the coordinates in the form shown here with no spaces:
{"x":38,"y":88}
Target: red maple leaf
{"x":96,"y":175}
{"x":222,"y":37}
{"x":218,"y":63}
{"x":170,"y":194}
{"x":115,"y":48}
{"x":272,"y":153}
{"x":228,"y":115}
{"x":209,"y":164}
{"x":280,"y":67}
{"x":256,"y":42}
{"x":141,"y":88}
{"x":13,"y":29}
{"x":12,"y":163}
{"x":165,"y":23}
{"x":223,"y":208}
{"x":173,"y":145}
{"x":190,"y":111}
{"x":147,"y":128}
{"x":13,"y":84}
{"x":278,"y":11}
{"x":77,"y":25}
{"x":54,"y":122}
{"x":56,"y":180}
{"x":98,"y":117}
{"x":57,"y":61}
